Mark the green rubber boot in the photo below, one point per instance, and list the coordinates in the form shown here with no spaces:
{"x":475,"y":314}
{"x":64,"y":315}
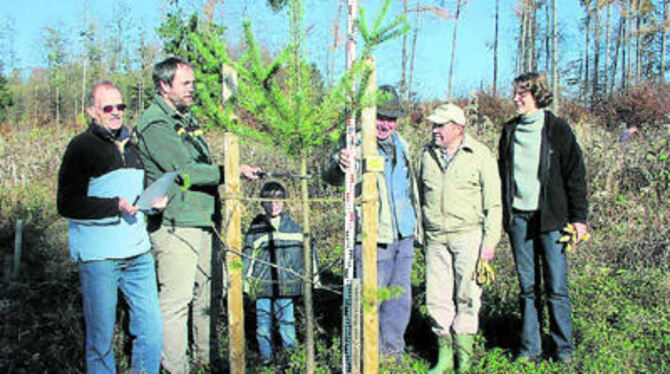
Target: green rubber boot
{"x":464,"y":345}
{"x":445,"y":361}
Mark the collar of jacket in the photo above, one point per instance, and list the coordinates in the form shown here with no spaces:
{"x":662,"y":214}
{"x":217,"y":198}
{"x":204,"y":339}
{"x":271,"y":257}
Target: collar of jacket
{"x":123,"y":134}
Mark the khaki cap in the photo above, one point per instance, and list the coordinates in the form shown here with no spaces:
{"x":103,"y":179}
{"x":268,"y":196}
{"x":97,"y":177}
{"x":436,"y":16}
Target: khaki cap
{"x":446,"y":113}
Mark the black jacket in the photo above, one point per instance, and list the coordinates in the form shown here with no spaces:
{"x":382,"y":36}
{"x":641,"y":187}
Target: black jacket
{"x":92,"y":154}
{"x":562,"y":174}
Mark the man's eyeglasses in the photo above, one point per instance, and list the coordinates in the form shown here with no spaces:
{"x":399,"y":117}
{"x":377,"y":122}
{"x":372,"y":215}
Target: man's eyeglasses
{"x":110,"y":108}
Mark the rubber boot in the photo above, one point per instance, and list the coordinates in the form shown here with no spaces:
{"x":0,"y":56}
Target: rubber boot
{"x":445,"y":361}
{"x":464,"y":345}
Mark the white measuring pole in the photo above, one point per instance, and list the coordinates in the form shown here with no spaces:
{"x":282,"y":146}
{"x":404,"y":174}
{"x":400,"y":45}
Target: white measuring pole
{"x":350,"y":320}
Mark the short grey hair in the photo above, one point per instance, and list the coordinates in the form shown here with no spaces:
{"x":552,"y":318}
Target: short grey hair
{"x":96,"y":86}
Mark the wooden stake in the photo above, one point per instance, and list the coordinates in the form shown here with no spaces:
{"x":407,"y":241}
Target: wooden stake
{"x":369,"y":230}
{"x":233,"y":234}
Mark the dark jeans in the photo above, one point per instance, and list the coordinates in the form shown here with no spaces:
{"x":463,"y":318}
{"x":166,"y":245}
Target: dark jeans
{"x":532,"y":248}
{"x":394,"y":269}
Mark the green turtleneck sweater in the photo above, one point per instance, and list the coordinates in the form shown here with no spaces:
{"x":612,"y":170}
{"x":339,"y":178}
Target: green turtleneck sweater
{"x":527,"y":142}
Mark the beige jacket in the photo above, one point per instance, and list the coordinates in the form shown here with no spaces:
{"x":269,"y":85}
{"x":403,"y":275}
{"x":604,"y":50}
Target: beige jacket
{"x":463,"y":196}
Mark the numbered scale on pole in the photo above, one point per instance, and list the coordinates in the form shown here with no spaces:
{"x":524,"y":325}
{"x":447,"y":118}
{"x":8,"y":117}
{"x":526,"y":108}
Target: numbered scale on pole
{"x":351,"y":323}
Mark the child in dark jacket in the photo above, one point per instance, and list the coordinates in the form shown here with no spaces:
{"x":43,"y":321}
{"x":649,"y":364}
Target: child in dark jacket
{"x":273,"y":238}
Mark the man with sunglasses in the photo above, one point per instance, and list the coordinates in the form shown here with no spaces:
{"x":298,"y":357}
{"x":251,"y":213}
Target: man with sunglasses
{"x":188,"y":265}
{"x":100,"y":177}
{"x":397,"y":220}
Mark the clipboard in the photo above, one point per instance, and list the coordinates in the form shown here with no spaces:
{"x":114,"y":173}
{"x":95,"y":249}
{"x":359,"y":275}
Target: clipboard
{"x":156,"y":190}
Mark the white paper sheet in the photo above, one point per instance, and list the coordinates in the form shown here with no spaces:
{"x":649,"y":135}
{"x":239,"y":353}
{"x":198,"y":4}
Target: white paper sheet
{"x":156,"y":190}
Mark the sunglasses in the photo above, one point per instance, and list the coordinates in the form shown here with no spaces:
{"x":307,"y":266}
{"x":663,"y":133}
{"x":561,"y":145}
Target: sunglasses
{"x":109,"y":108}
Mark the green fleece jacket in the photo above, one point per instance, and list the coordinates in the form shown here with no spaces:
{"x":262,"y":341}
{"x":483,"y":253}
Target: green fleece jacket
{"x":463,"y":196}
{"x":170,"y":141}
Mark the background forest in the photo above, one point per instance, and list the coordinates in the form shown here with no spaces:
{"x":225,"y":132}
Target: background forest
{"x":620,"y":283}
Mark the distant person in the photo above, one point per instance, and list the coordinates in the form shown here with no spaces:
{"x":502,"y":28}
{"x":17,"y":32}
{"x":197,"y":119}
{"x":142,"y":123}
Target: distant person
{"x":189,"y":270}
{"x":100,"y":177}
{"x":629,"y":133}
{"x":274,"y":238}
{"x":398,"y":206}
{"x":544,"y":188}
{"x":459,"y":188}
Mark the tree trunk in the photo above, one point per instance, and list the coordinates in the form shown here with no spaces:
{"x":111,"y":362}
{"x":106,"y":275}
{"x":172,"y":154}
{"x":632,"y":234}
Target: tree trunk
{"x":554,"y":56}
{"x":58,"y":103}
{"x":596,"y":52}
{"x":403,"y":67}
{"x":547,"y":37}
{"x":411,"y":64}
{"x":638,"y":46}
{"x":521,"y":63}
{"x":629,"y":66}
{"x":624,"y":51}
{"x":587,"y":46}
{"x":495,"y":49}
{"x":607,"y":48}
{"x":664,"y":35}
{"x":453,"y":50}
{"x":532,"y":28}
{"x":309,"y":274}
{"x":620,"y":35}
{"x":296,"y":14}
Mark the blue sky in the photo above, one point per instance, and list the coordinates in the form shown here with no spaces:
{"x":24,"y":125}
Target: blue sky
{"x":475,"y":35}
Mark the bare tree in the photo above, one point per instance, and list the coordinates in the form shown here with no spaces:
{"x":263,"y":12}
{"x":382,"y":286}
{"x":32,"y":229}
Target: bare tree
{"x":596,"y":51}
{"x":615,"y":60}
{"x":554,"y":56}
{"x":415,"y":35}
{"x":403,"y":68}
{"x":532,"y":31}
{"x":587,"y":46}
{"x":56,"y":57}
{"x":547,"y":36}
{"x":664,"y":33}
{"x":607,"y":46}
{"x":459,"y":3}
{"x":495,"y":48}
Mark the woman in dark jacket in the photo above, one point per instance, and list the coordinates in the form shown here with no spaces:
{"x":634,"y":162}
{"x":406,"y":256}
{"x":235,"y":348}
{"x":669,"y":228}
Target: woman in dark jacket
{"x":544,"y":188}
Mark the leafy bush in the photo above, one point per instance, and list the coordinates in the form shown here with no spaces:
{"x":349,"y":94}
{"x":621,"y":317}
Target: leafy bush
{"x":646,"y":105}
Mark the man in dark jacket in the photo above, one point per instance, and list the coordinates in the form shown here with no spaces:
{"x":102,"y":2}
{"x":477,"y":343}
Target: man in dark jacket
{"x":99,"y":179}
{"x":171,"y":140}
{"x":544,"y":188}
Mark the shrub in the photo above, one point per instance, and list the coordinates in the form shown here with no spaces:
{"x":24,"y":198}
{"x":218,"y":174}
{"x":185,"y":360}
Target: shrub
{"x":646,"y":105}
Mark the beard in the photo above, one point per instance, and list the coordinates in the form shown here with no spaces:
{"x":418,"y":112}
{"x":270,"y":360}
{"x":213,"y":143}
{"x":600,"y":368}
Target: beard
{"x":181,"y":105}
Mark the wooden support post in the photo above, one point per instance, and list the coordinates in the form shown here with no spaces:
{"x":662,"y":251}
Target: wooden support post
{"x":233,"y":235}
{"x":372,"y":166}
{"x":18,"y":238}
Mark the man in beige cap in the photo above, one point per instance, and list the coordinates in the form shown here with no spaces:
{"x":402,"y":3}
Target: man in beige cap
{"x":459,"y":190}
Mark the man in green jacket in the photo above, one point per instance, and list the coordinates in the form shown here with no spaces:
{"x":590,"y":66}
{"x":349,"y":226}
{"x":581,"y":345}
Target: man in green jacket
{"x":188,"y":269}
{"x":459,"y":190}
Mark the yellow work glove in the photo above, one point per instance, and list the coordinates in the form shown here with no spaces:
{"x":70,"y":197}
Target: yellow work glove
{"x":484,"y":273}
{"x":570,"y":237}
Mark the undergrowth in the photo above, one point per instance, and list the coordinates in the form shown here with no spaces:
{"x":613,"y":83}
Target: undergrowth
{"x":619,"y":280}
